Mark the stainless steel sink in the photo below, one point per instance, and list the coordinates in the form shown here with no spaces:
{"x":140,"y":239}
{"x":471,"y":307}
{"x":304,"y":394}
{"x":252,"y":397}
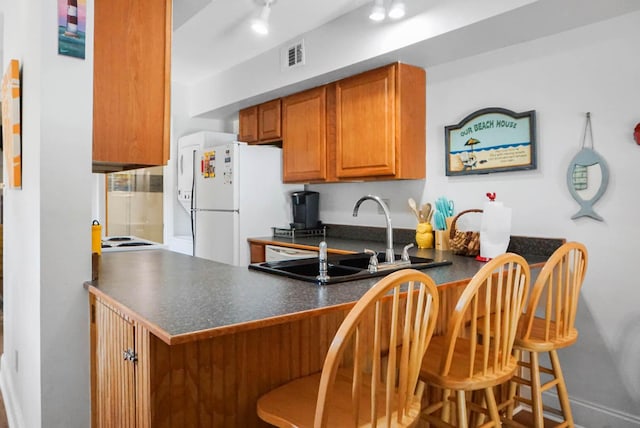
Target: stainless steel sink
{"x":341,"y":268}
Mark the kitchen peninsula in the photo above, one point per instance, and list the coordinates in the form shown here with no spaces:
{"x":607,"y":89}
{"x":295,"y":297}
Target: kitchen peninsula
{"x":182,"y":341}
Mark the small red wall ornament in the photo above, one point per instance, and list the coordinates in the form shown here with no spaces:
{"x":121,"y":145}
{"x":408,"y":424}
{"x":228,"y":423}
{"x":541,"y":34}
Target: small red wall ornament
{"x":636,"y":134}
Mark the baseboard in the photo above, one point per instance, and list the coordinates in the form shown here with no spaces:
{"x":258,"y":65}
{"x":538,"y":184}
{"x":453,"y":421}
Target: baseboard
{"x":593,"y":415}
{"x":14,"y":417}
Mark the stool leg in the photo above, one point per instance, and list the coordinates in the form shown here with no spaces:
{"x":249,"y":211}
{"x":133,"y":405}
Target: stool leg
{"x":563,"y":395}
{"x":491,"y":405}
{"x":461,"y":405}
{"x":446,"y":406}
{"x":536,"y":393}
{"x":513,"y":386}
{"x":479,"y":398}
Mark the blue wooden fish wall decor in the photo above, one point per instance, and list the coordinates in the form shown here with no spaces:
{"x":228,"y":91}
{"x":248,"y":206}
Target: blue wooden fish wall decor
{"x":578,"y":180}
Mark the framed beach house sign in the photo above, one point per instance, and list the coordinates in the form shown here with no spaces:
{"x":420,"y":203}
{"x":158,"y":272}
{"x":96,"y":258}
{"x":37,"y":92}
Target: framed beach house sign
{"x":491,"y":140}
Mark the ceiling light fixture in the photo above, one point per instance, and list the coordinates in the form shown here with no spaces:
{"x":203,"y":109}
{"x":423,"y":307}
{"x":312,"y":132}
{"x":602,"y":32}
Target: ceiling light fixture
{"x":261,"y":24}
{"x":397,"y":9}
{"x":377,"y":12}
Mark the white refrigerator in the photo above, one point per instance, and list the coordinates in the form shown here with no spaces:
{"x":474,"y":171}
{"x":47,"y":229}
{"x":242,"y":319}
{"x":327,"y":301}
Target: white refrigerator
{"x":232,"y":191}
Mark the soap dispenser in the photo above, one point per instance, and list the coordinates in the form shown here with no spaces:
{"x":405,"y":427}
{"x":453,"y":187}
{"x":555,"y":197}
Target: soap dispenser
{"x":495,"y":229}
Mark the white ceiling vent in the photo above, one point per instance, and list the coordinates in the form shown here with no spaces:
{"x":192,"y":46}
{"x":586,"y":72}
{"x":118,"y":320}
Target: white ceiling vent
{"x":293,"y":55}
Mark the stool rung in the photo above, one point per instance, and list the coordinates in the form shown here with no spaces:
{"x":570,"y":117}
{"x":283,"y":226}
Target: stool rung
{"x":521,"y":380}
{"x":547,"y":386}
{"x":553,"y":410}
{"x":524,"y":364}
{"x":432,"y":408}
{"x":546,"y":370}
{"x":523,"y":400}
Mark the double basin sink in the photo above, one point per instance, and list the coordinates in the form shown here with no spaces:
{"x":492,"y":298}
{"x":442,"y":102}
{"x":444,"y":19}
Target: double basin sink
{"x":344,"y":267}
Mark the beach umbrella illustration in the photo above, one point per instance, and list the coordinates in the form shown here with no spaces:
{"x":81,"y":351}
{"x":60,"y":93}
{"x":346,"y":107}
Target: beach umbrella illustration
{"x":472,"y":142}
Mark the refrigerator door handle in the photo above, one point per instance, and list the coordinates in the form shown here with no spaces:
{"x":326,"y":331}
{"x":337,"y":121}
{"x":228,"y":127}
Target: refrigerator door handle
{"x":193,"y":198}
{"x":215,"y":210}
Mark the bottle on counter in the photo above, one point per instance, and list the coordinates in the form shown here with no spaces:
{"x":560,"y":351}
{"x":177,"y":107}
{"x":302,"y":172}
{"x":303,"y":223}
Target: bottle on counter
{"x":96,"y":248}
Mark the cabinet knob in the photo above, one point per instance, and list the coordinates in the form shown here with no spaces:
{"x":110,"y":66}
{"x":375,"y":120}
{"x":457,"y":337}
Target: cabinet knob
{"x":129,"y":355}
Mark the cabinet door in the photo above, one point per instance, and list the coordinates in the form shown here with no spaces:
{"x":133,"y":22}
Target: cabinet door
{"x":304,"y":142}
{"x":248,"y":125}
{"x":131,"y":113}
{"x":257,"y":252}
{"x":115,"y":389}
{"x":366,"y":125}
{"x":269,"y":121}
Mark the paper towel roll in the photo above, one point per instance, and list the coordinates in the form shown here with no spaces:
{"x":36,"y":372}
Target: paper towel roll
{"x":495,"y":229}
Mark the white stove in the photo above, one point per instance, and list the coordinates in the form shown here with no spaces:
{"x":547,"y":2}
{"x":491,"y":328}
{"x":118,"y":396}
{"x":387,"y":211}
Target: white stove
{"x":128,"y":243}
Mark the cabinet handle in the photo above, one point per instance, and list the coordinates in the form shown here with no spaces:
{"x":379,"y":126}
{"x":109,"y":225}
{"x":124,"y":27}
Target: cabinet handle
{"x":129,"y":355}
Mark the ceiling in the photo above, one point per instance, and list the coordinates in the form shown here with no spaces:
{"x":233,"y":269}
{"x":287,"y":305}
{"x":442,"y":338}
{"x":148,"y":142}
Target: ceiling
{"x":213,"y":35}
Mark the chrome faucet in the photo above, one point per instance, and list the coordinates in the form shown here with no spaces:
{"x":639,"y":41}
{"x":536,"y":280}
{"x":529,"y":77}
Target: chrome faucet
{"x":323,"y":276}
{"x":389,"y":256}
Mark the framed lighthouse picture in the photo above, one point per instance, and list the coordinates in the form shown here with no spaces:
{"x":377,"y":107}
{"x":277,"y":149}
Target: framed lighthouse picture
{"x":491,"y":140}
{"x":72,"y":23}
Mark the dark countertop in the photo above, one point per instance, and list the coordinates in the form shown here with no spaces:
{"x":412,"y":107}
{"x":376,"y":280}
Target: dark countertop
{"x":182,"y":298}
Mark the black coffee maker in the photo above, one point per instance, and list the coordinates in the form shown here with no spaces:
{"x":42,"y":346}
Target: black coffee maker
{"x":305,"y":209}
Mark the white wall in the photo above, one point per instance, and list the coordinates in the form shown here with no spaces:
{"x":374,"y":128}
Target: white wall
{"x":561,"y":77}
{"x":45,"y":365}
{"x":176,"y":219}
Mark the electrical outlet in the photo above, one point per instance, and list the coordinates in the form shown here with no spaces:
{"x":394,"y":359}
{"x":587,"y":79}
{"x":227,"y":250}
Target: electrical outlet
{"x":387,"y":202}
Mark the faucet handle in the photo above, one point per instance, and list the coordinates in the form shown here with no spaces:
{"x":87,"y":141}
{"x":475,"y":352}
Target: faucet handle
{"x":373,"y":260}
{"x":405,"y":252}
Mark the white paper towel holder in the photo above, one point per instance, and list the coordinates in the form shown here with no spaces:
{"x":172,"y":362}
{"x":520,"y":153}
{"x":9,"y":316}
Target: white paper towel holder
{"x":496,"y":247}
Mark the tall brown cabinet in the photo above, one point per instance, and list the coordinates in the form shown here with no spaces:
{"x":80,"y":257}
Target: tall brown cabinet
{"x":131,"y":84}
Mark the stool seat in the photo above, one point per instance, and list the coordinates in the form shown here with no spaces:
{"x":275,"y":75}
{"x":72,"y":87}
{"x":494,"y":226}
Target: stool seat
{"x":537,"y":341}
{"x":277,"y":407}
{"x":458,"y":377}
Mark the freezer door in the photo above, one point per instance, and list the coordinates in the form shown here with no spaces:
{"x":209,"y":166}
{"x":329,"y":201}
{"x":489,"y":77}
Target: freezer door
{"x":216,"y":186}
{"x":217,"y":236}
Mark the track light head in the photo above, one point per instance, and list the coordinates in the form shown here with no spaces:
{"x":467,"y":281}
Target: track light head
{"x":397,"y":9}
{"x":377,"y":11}
{"x":260,"y":24}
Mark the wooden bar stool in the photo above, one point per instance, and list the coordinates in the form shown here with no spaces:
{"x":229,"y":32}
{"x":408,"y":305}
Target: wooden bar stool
{"x":381,"y":342}
{"x":548,"y":325}
{"x":459,"y":362}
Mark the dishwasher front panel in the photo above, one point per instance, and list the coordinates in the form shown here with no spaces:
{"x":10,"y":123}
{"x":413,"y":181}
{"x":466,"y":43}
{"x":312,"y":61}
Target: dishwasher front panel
{"x":274,"y":253}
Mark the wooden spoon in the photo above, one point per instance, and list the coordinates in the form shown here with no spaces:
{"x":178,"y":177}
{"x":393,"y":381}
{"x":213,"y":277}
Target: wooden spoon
{"x":414,"y":208}
{"x":425,"y":213}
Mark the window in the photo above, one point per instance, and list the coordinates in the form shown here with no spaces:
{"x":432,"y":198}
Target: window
{"x":134,"y":204}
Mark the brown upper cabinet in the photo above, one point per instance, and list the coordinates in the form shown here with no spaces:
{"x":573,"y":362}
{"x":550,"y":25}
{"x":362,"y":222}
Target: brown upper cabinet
{"x":131,"y":84}
{"x":381,"y":124}
{"x":248,"y":125}
{"x":261,"y":123}
{"x":371,"y":126}
{"x":304,"y":129}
